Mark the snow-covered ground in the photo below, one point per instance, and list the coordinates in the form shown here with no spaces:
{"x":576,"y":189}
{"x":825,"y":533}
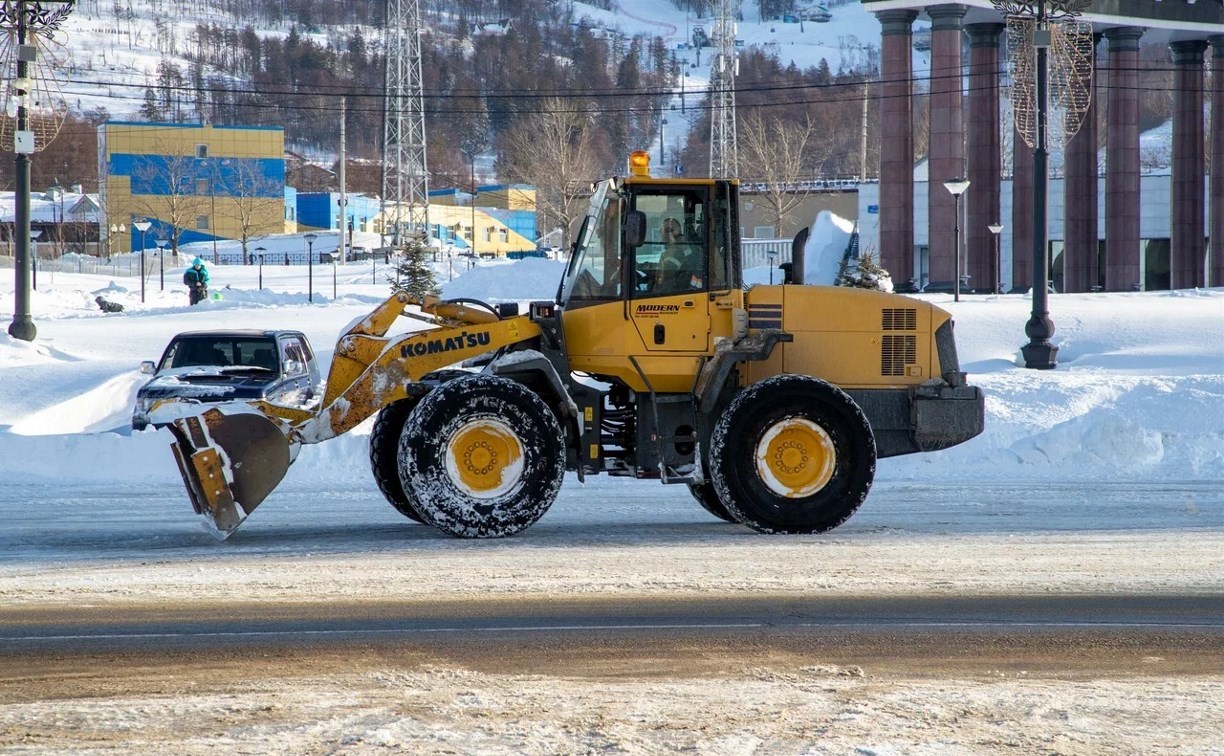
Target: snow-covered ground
{"x":1105,"y":475}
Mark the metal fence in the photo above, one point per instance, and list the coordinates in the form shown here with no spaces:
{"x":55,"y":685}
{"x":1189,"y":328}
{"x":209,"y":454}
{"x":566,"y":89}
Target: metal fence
{"x":761,"y":252}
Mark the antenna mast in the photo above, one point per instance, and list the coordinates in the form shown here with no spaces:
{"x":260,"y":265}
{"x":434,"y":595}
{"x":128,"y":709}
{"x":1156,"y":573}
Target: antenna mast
{"x":724,"y":150}
{"x":405,"y":180}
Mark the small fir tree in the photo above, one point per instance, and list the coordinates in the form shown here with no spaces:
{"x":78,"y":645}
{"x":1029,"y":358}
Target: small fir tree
{"x":863,"y":273}
{"x":412,"y":273}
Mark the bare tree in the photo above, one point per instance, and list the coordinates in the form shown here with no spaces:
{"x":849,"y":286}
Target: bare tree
{"x":177,"y":191}
{"x":246,"y":191}
{"x":783,"y":153}
{"x":552,"y":150}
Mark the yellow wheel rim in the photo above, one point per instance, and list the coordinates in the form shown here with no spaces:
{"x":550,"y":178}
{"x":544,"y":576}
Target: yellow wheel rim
{"x":484,"y":458}
{"x":795,"y":458}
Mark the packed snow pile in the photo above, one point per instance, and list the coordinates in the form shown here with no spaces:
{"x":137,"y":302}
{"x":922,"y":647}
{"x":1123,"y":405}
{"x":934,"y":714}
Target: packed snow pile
{"x":826,"y":245}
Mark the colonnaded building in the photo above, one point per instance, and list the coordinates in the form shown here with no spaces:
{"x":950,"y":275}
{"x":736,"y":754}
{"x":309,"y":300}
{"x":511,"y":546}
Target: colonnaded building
{"x":1102,"y":200}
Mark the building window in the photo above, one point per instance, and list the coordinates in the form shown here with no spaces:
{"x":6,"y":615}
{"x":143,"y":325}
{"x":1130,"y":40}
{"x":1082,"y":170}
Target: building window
{"x":762,"y":232}
{"x":201,"y":186}
{"x":202,"y":223}
{"x":201,"y":151}
{"x":505,"y":235}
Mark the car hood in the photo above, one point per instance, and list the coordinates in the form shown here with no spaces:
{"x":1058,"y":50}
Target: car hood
{"x":208,"y":384}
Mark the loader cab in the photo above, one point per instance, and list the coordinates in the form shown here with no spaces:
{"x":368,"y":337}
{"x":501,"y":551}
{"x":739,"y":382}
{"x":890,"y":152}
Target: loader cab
{"x":654,"y":276}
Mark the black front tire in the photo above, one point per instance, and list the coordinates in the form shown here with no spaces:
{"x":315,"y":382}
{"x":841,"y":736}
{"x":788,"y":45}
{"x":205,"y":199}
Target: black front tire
{"x":707,"y":497}
{"x":384,"y":446}
{"x":384,"y":455}
{"x":482,"y":457}
{"x":792,"y":454}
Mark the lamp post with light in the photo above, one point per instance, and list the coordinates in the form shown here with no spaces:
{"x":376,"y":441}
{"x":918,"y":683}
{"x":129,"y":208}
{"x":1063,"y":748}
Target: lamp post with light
{"x":310,"y":240}
{"x":19,"y":20}
{"x":997,"y":230}
{"x":956,"y":187}
{"x":259,"y":252}
{"x":120,"y":229}
{"x":142,"y":225}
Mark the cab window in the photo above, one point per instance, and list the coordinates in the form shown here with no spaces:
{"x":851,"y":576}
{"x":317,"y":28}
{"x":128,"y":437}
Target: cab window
{"x":672,"y":260}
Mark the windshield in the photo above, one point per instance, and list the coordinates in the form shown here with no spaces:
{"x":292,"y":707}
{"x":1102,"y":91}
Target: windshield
{"x":221,"y":351}
{"x":594,"y":272}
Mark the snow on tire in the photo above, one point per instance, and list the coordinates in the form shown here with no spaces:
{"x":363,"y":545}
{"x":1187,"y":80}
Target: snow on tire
{"x":792,"y":454}
{"x":482,"y":457}
{"x":384,"y":446}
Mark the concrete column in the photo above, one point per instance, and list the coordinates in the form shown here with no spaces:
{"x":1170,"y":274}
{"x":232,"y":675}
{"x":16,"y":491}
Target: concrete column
{"x":1215,"y":271}
{"x":983,"y":154}
{"x":1080,"y":221}
{"x":946,"y":154}
{"x":1122,"y":161}
{"x":1188,"y":209}
{"x":896,"y":144}
{"x":1022,"y":213}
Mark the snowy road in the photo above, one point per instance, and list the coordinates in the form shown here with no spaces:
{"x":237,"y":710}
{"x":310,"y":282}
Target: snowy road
{"x":958,"y":618}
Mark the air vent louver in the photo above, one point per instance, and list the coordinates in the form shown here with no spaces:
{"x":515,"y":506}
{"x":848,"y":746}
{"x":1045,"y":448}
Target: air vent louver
{"x":896,"y":352}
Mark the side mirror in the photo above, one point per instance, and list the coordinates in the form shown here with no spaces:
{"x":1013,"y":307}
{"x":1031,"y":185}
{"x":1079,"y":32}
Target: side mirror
{"x":634,"y":228}
{"x":148,"y":368}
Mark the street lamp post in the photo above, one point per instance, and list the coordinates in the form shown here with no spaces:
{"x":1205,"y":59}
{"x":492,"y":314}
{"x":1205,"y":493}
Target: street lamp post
{"x":259,"y":251}
{"x":161,"y":263}
{"x":22,"y":18}
{"x":142,"y":226}
{"x":310,"y":240}
{"x":997,"y":230}
{"x":957,"y":187}
{"x":770,"y":256}
{"x":34,"y":234}
{"x":334,"y":257}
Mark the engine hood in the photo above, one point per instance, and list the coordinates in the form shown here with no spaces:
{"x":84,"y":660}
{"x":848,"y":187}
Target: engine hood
{"x":208,"y":385}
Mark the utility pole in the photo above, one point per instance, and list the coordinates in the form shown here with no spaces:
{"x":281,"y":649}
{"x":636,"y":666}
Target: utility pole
{"x":344,"y":246}
{"x":863,"y":133}
{"x":405,"y":171}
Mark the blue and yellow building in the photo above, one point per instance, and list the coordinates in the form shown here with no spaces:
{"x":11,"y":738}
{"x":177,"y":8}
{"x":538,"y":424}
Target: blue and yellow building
{"x":203,"y":181}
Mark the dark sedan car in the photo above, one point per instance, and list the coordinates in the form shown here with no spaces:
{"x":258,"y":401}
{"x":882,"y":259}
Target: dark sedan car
{"x":208,"y":367}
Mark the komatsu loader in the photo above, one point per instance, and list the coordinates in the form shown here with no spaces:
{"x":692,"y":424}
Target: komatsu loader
{"x":771,"y":403}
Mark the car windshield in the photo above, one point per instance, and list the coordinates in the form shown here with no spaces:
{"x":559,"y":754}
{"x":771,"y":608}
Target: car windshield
{"x":241,"y":352}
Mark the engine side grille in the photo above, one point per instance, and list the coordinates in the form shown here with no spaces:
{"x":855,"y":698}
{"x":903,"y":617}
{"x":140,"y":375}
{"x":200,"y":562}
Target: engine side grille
{"x":898,"y":319}
{"x":896,"y":352}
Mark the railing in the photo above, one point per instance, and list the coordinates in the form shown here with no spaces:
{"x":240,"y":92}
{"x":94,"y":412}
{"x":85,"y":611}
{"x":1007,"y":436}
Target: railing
{"x":119,"y":266}
{"x":760,"y":252}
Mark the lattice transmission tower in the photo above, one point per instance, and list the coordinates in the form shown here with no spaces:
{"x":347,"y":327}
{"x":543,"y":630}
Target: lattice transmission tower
{"x":405,"y":174}
{"x":724,"y":151}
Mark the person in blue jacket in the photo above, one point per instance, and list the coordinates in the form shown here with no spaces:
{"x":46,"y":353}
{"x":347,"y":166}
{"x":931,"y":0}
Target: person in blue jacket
{"x":196,"y":279}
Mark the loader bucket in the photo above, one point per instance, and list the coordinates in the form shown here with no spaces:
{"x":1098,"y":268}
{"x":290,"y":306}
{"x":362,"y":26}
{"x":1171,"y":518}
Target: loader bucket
{"x":229,"y":464}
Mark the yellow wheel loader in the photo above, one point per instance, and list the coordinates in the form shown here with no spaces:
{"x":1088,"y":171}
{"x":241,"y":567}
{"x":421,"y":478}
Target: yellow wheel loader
{"x":772,"y":404}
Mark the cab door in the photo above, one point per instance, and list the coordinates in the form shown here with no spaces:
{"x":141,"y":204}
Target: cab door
{"x":669,"y":303}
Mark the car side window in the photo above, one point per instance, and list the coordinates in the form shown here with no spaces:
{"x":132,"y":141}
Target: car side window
{"x":294,"y":357}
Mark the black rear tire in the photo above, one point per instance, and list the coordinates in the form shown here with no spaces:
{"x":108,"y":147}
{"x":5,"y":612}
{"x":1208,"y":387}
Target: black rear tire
{"x":384,"y":446}
{"x":707,"y":497}
{"x":482,"y":457}
{"x":792,"y":454}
